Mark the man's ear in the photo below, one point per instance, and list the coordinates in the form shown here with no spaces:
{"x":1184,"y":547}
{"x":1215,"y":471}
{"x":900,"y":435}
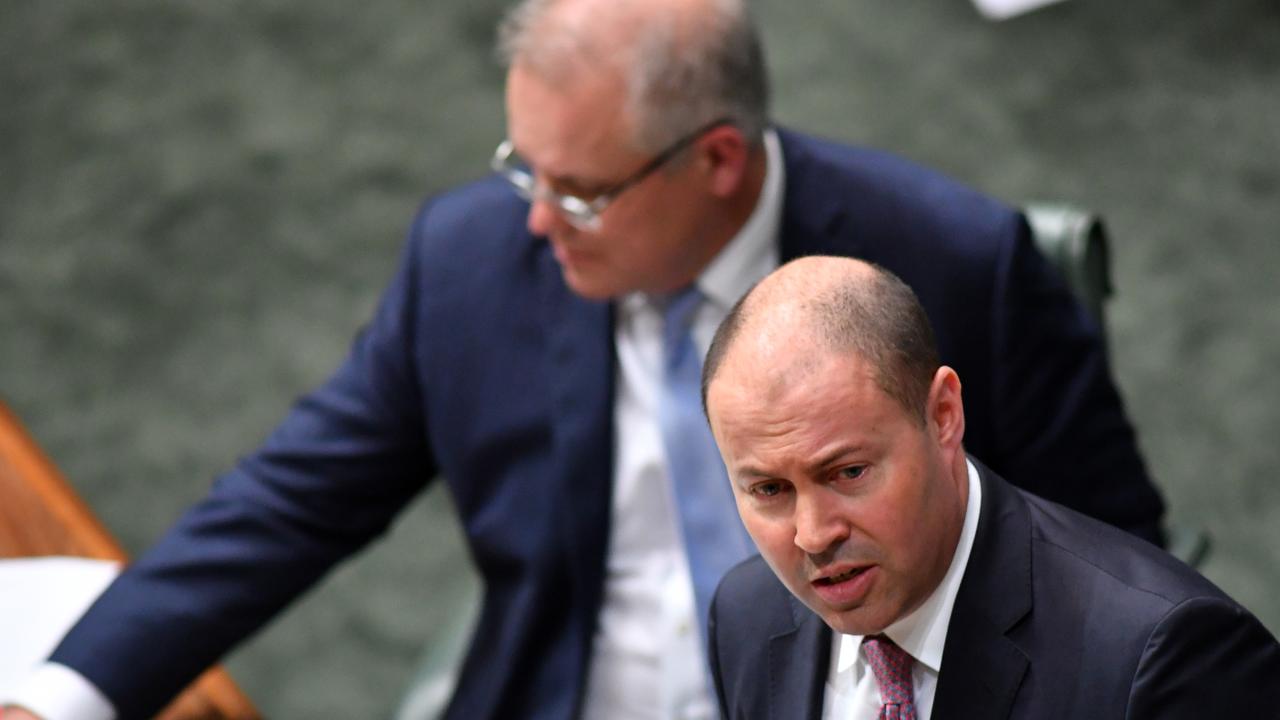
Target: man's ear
{"x":945,"y":409}
{"x":723,"y":152}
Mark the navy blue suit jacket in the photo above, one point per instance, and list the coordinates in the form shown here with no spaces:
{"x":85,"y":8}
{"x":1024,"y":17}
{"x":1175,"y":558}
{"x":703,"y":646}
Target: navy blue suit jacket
{"x":481,"y":367}
{"x":1058,"y":616}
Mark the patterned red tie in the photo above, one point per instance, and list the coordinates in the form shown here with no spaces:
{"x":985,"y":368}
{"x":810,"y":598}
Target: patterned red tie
{"x":892,"y":667}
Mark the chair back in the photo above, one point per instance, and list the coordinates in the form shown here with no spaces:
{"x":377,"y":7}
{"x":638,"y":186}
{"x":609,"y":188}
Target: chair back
{"x":40,"y":514}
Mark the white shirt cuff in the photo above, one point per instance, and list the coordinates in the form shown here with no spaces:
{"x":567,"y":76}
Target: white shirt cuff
{"x":56,"y":692}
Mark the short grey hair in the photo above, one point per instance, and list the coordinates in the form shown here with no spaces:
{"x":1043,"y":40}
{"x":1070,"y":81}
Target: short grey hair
{"x":682,"y":69}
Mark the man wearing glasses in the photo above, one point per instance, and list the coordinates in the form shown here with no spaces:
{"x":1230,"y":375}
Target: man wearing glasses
{"x":538,"y":350}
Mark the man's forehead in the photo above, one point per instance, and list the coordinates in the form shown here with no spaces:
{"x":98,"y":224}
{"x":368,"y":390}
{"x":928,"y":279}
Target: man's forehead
{"x":787,"y":370}
{"x":566,"y":129}
{"x":823,"y":411}
{"x":774,"y":346}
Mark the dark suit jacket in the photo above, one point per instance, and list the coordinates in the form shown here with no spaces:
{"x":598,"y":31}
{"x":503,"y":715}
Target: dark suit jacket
{"x":480,"y":366}
{"x":1058,"y":616}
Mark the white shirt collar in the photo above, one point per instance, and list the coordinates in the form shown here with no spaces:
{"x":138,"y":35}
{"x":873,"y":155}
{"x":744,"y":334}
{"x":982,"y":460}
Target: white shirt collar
{"x":923,"y":632}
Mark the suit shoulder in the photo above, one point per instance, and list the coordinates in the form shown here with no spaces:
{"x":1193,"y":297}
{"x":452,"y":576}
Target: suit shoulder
{"x":751,"y":592}
{"x":890,"y":188}
{"x":747,"y":581}
{"x":470,"y":218}
{"x":477,"y":225}
{"x":1091,"y":551}
{"x":1206,"y":652}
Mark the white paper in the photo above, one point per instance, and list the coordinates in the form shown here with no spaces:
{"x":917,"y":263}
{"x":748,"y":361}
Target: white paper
{"x":1005,"y":9}
{"x":40,"y":599}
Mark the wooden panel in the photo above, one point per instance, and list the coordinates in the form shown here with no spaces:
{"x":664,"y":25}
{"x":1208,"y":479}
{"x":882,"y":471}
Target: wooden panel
{"x":40,"y":514}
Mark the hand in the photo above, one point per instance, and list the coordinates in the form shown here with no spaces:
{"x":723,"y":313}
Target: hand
{"x":12,"y":712}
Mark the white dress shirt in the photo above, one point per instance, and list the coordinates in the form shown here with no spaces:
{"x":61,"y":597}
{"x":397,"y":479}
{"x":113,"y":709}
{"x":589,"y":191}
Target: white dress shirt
{"x":852,"y":692}
{"x":647,"y":644}
{"x":57,"y":692}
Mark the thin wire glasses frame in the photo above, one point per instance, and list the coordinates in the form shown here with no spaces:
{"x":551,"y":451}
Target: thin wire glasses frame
{"x":582,"y":213}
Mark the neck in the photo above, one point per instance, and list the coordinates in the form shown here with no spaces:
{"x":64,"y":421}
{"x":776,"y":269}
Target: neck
{"x":960,"y":475}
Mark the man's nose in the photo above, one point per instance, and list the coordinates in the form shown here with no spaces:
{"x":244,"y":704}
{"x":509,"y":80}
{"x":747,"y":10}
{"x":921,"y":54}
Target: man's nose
{"x":819,"y":526}
{"x":543,"y":216}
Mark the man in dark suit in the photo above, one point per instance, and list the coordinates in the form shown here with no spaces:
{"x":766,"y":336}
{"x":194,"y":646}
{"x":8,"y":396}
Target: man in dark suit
{"x":518,"y":354}
{"x":950,"y":592}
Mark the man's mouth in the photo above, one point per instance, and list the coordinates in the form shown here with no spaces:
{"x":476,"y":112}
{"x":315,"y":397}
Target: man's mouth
{"x":840,"y":577}
{"x":847,"y":589}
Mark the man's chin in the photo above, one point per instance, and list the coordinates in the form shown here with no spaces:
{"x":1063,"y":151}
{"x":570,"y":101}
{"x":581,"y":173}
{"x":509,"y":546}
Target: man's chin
{"x":861,"y":620}
{"x":853,"y":622}
{"x":589,"y":286}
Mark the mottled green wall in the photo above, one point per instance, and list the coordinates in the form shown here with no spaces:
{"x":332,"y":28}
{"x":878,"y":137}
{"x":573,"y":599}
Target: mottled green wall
{"x":200,"y":201}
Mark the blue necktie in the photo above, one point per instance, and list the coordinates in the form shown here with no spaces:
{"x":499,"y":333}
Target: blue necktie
{"x":713,"y":535}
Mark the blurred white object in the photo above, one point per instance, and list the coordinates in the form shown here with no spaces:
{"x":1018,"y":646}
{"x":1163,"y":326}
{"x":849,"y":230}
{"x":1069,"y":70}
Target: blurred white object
{"x":1005,"y":9}
{"x":40,"y":599}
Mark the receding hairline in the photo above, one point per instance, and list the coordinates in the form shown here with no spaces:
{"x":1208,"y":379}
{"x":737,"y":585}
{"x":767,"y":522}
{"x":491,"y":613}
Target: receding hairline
{"x":551,"y":37}
{"x":840,"y":306}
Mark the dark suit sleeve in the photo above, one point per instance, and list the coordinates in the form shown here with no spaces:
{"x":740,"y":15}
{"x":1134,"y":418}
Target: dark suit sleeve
{"x":1207,"y":658}
{"x":330,"y":478}
{"x":714,"y":657}
{"x":1060,"y":427}
{"x":738,"y":653}
{"x":765,"y":658}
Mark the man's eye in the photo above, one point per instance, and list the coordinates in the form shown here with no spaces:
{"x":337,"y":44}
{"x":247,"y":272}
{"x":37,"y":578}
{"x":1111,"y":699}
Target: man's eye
{"x":582,"y":192}
{"x":853,"y":472}
{"x":768,"y":489}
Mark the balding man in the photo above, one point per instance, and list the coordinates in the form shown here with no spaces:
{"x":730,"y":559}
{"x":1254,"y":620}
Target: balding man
{"x":520,"y":355}
{"x":900,"y":579}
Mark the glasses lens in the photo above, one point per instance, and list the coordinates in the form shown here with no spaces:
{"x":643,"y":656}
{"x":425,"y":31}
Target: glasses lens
{"x":521,"y":180}
{"x":578,"y":211}
{"x":507,"y":164}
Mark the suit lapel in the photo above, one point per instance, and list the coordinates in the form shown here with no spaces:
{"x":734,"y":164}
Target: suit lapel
{"x":580,"y":372}
{"x":812,"y":213}
{"x":798,"y":664}
{"x":982,"y":668}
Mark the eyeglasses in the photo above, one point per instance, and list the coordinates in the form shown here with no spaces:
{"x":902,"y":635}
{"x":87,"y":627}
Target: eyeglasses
{"x":584,"y":213}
